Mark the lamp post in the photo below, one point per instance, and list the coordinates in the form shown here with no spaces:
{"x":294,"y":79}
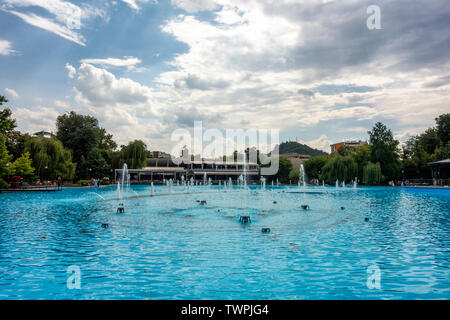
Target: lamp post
{"x":45,"y":174}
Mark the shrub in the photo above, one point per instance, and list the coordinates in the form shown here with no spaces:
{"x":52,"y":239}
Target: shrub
{"x":84,"y":183}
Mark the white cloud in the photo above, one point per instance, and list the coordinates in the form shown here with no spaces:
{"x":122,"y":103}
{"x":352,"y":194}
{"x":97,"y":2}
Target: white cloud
{"x":71,"y":71}
{"x":32,"y":120}
{"x":68,"y":17}
{"x":11,"y":93}
{"x":321,"y":143}
{"x":195,"y":5}
{"x":136,"y":4}
{"x":5,"y":48}
{"x":127,"y":62}
{"x":98,"y":87}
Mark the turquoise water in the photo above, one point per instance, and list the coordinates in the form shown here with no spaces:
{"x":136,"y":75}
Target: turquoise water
{"x":170,"y":247}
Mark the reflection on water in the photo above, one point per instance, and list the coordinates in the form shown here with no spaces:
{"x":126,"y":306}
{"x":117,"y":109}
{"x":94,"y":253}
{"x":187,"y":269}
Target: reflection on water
{"x":168,"y":246}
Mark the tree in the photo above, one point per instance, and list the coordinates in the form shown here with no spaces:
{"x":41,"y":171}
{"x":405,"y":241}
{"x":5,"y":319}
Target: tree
{"x":313,"y":167}
{"x":285,"y":167}
{"x":5,"y":158}
{"x":443,"y":128}
{"x":362,"y":157}
{"x":22,"y":166}
{"x":429,"y":140}
{"x":134,"y":154}
{"x":372,"y":174}
{"x":415,"y":159}
{"x":7,"y":123}
{"x":294,"y":175}
{"x":384,"y":150}
{"x":105,"y":140}
{"x":340,"y":168}
{"x":95,"y":165}
{"x":50,"y":159}
{"x":78,"y":133}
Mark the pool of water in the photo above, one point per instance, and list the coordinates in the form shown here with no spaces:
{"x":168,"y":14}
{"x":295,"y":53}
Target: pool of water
{"x":169,"y":246}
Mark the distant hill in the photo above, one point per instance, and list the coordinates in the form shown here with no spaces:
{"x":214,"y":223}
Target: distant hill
{"x":288,"y":147}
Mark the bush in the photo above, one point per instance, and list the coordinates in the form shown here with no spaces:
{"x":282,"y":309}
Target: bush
{"x":84,"y":183}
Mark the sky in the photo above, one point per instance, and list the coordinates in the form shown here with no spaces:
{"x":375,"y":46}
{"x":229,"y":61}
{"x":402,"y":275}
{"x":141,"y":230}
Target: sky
{"x":144,"y":68}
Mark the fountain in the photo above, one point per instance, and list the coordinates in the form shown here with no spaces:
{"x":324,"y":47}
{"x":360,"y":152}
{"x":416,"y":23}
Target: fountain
{"x":302,"y":176}
{"x":152,"y":189}
{"x":263,"y":183}
{"x":204,"y":179}
{"x":124,"y":180}
{"x":355,"y":183}
{"x":337,"y":184}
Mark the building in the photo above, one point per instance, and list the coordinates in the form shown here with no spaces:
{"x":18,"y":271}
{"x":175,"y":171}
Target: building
{"x":349,"y":143}
{"x":161,"y":155}
{"x":296,"y":158}
{"x":160,"y":169}
{"x":440,"y":171}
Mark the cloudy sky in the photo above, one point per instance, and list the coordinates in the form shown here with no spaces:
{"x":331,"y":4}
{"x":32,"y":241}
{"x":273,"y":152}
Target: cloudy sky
{"x":310,"y":68}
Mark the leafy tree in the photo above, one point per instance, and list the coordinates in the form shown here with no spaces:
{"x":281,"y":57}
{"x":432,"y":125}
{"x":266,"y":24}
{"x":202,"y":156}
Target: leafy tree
{"x":134,"y":154}
{"x":340,"y":168}
{"x":372,"y":174}
{"x":95,"y":165}
{"x":429,"y":140}
{"x":294,"y":175}
{"x":7,"y":123}
{"x":384,"y":150}
{"x":362,"y":157}
{"x":50,"y":159}
{"x":285,"y":167}
{"x":23,"y":166}
{"x":443,"y":128}
{"x":105,"y":140}
{"x":415,"y":159}
{"x":78,"y":133}
{"x":313,"y":167}
{"x":5,"y":158}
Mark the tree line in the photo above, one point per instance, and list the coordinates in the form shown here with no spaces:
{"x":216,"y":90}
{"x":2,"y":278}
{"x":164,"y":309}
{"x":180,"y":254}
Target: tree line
{"x":79,"y":150}
{"x":383,"y":159}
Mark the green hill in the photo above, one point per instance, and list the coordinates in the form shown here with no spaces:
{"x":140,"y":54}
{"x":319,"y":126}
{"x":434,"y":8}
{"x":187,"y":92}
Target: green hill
{"x":288,"y":147}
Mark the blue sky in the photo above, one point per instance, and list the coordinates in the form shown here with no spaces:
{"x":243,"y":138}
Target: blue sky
{"x":311,"y":69}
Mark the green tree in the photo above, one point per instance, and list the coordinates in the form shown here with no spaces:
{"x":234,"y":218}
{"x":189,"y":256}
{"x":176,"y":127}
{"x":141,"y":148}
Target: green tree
{"x":285,"y":167}
{"x":50,"y":159}
{"x":78,"y":133}
{"x":7,"y":123}
{"x":362,"y":157}
{"x":294,"y":175}
{"x":313,"y":167}
{"x":429,"y":140}
{"x":415,"y":159}
{"x":372,"y":174}
{"x":22,"y":166}
{"x":340,"y":168}
{"x":443,"y":128}
{"x":134,"y":154}
{"x":105,"y":140}
{"x":95,"y":166}
{"x":384,"y":150}
{"x":5,"y":165}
